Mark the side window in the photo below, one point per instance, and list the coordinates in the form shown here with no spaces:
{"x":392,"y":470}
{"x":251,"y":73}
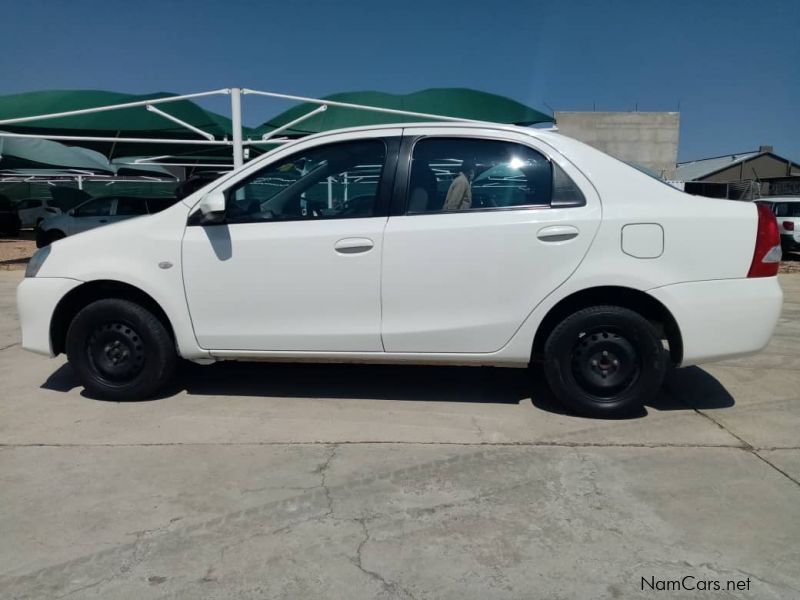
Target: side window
{"x":456,"y":174}
{"x":99,"y":207}
{"x":34,"y":203}
{"x":128,"y":207}
{"x":335,"y":181}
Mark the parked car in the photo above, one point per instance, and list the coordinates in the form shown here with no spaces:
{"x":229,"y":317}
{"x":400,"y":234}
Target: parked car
{"x":787,"y":213}
{"x":9,"y":219}
{"x":33,"y":211}
{"x":95,"y":213}
{"x":428,"y":243}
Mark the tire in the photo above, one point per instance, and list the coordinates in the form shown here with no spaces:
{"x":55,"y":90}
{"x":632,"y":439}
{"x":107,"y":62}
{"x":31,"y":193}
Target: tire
{"x":120,"y":350}
{"x":45,"y":238}
{"x":604,"y":361}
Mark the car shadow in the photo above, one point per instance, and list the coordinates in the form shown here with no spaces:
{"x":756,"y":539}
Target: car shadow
{"x":684,"y":389}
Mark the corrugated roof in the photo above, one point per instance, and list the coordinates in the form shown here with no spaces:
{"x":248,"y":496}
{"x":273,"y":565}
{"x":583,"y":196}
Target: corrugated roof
{"x":696,"y":169}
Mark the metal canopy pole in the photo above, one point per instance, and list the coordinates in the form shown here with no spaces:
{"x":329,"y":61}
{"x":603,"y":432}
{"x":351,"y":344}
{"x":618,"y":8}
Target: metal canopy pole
{"x":174,"y":119}
{"x":388,"y":111}
{"x":290,"y":124}
{"x":85,"y":111}
{"x":83,"y":138}
{"x":236,"y":123}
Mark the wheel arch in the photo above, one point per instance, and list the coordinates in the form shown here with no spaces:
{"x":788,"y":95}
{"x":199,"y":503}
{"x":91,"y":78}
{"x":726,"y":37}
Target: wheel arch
{"x":641,"y":302}
{"x":88,"y":292}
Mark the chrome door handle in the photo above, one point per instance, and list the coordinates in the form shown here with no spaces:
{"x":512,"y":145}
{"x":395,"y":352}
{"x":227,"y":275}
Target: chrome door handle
{"x":558,"y":233}
{"x":354,"y":245}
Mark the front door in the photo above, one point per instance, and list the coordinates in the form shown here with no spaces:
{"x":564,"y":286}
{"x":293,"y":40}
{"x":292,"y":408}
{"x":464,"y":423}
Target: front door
{"x":296,"y":265}
{"x":92,"y":214}
{"x":486,"y":229}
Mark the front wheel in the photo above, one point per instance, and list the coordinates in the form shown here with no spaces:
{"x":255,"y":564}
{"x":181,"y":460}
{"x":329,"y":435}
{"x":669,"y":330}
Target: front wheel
{"x":120,"y":350}
{"x":604,"y":361}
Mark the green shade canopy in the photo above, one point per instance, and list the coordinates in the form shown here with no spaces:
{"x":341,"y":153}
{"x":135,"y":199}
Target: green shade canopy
{"x":16,"y":153}
{"x":452,"y":102}
{"x":126,"y":122}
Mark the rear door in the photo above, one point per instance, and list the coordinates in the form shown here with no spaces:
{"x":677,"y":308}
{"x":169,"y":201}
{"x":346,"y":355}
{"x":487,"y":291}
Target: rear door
{"x":485,"y":225}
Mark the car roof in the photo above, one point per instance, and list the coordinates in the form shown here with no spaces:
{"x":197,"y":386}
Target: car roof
{"x":428,"y":124}
{"x":779,"y":199}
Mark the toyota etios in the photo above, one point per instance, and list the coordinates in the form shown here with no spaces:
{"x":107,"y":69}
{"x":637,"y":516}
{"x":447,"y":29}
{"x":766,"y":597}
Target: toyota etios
{"x":456,"y":243}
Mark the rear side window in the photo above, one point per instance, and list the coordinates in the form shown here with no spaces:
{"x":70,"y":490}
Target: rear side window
{"x":456,"y":174}
{"x":127,"y":207}
{"x":99,"y":207}
{"x":787,"y":209}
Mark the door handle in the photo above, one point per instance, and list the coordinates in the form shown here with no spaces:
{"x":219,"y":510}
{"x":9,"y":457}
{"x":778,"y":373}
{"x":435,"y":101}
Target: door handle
{"x":558,"y":233}
{"x":104,"y":220}
{"x":354,"y":245}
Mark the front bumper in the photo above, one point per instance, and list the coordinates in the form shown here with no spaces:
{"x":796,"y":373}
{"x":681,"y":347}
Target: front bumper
{"x":37,"y":298}
{"x":723,"y":318}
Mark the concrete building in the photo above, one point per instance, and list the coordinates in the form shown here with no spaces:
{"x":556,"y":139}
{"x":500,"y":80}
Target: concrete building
{"x":649,"y":139}
{"x":741,"y":176}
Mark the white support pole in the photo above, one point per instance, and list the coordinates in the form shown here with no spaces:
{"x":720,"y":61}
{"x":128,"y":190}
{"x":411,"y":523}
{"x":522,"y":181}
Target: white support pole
{"x":316,"y":111}
{"x":86,"y":111}
{"x":80,"y":182}
{"x":388,"y":111}
{"x":174,"y":119}
{"x":236,"y":123}
{"x":82,"y":138}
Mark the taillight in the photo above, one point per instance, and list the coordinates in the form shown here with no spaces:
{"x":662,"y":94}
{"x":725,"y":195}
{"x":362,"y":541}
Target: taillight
{"x":767,"y":255}
{"x":788,"y":225}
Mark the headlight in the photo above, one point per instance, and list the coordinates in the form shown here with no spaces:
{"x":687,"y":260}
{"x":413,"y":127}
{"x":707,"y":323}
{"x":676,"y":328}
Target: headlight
{"x":36,"y":261}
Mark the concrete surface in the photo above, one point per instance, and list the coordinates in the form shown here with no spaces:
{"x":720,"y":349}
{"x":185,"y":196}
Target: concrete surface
{"x":649,"y":139}
{"x":321,"y":481}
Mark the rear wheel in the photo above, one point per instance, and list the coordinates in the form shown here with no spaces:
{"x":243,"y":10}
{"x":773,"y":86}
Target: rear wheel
{"x":604,"y":361}
{"x":120,"y":350}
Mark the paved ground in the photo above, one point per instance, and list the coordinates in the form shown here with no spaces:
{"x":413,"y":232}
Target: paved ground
{"x":277,"y":481}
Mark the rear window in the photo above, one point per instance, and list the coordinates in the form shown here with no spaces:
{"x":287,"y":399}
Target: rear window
{"x":787,"y":209}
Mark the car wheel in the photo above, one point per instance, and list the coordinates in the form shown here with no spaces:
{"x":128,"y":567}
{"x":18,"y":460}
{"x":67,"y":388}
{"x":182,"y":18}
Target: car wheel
{"x":604,"y":361}
{"x":120,"y":350}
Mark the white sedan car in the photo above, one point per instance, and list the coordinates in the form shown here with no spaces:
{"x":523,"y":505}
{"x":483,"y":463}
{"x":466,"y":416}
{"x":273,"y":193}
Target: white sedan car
{"x":456,"y":243}
{"x":96,"y":212}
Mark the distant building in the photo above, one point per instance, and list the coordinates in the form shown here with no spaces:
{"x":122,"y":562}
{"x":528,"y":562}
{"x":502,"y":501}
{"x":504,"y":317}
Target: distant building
{"x":649,"y":139}
{"x":741,"y":176}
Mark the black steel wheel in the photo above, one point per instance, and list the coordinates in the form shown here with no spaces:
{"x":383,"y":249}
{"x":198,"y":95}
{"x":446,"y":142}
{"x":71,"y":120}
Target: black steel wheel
{"x":120,"y":350}
{"x":604,"y":361}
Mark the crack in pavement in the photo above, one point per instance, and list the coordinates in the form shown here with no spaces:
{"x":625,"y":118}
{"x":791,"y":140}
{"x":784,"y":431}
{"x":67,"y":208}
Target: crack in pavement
{"x":748,"y":447}
{"x":540,"y":444}
{"x":9,"y":346}
{"x":390,"y":587}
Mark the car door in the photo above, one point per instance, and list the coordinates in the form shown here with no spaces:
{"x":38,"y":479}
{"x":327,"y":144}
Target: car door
{"x":296,"y":264}
{"x":92,"y":213}
{"x":484,"y":225}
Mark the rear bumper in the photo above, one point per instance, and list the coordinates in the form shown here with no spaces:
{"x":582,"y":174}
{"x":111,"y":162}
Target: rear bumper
{"x":724,"y":318}
{"x":37,"y":298}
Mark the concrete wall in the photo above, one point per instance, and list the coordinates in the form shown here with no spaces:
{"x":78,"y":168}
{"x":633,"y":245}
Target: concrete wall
{"x":647,"y":138}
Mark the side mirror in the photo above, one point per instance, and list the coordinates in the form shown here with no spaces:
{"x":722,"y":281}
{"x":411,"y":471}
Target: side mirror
{"x":71,"y":212}
{"x":212,"y":208}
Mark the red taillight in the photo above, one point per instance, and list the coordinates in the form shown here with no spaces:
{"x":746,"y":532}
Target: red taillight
{"x":788,"y":225}
{"x":767,"y":255}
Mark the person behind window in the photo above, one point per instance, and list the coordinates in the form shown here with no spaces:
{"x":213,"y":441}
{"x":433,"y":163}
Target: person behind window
{"x":459,"y":196}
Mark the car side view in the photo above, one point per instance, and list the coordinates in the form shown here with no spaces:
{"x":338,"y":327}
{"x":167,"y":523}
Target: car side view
{"x":97,"y":212}
{"x":787,"y":213}
{"x":428,"y":243}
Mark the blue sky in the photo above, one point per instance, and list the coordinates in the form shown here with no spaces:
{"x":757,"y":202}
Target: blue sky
{"x":732,"y":67}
